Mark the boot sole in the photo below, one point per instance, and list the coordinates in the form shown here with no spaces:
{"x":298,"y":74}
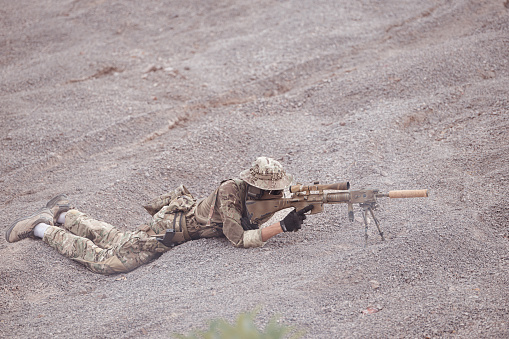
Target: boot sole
{"x":53,"y":201}
{"x":62,"y":208}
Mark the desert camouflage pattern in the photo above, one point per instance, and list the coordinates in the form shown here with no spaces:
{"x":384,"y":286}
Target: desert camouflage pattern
{"x":267,"y":174}
{"x":170,"y":219}
{"x":104,"y":249}
{"x":101,"y":247}
{"x":228,"y":210}
{"x":156,"y":204}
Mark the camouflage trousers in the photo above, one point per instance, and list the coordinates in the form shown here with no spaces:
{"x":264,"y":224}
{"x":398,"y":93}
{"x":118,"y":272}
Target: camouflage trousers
{"x":101,"y":247}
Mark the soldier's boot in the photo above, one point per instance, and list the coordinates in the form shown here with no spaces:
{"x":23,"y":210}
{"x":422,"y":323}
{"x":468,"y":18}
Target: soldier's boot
{"x":57,"y":206}
{"x":24,"y":227}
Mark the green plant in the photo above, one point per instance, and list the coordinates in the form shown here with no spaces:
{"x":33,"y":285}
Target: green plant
{"x":244,"y":328}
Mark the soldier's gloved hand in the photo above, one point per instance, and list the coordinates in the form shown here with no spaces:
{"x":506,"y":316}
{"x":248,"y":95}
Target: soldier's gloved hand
{"x":293,"y":221}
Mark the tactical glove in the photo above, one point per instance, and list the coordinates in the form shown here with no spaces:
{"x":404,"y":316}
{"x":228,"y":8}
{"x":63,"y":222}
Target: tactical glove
{"x":293,"y":221}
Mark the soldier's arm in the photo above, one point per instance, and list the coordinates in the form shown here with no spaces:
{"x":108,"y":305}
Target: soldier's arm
{"x":230,"y":207}
{"x":270,"y":231}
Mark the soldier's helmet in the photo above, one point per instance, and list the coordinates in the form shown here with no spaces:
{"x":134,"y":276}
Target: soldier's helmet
{"x":266,"y":174}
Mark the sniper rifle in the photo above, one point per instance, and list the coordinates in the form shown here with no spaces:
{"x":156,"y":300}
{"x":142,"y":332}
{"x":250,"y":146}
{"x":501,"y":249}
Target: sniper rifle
{"x":261,"y":204}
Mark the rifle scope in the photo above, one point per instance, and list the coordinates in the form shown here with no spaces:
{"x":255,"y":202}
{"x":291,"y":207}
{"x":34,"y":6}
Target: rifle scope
{"x":340,"y":186}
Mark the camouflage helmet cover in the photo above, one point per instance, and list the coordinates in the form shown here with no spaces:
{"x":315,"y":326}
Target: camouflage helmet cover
{"x":267,"y":174}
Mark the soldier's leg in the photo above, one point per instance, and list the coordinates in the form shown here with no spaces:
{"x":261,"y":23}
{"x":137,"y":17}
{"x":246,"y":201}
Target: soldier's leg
{"x":123,"y":257}
{"x":99,"y":232}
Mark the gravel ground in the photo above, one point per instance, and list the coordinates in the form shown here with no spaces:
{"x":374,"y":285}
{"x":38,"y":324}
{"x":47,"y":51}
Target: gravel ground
{"x":115,"y":102}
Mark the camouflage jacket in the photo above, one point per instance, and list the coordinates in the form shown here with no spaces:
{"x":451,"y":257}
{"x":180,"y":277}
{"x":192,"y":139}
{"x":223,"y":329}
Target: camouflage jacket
{"x":229,"y":206}
{"x":228,"y":210}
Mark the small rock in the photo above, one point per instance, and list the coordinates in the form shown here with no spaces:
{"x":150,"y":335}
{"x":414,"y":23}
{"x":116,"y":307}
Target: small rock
{"x":370,"y":310}
{"x":153,"y":68}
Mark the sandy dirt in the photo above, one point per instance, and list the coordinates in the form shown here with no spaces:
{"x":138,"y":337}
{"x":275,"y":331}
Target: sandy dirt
{"x":115,"y":102}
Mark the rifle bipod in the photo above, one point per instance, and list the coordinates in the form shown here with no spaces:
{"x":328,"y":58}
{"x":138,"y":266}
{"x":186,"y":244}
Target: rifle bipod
{"x":365,"y":208}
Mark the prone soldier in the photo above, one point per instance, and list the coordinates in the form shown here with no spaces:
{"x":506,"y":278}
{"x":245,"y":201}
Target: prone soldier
{"x":177,"y":217}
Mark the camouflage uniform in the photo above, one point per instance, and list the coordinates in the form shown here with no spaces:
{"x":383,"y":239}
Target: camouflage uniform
{"x":104,"y":249}
{"x":99,"y":246}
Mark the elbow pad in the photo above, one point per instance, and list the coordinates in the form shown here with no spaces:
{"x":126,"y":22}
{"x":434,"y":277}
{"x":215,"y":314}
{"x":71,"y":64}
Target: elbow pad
{"x":253,"y":238}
